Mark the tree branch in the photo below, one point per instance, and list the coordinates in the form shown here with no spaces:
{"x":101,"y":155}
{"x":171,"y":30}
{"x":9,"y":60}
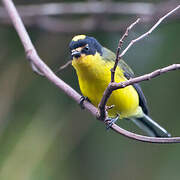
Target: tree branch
{"x":33,"y":57}
{"x":52,"y":17}
{"x":55,"y":9}
{"x":114,"y":86}
{"x":36,"y":60}
{"x":148,"y":32}
{"x":146,"y":77}
{"x":64,"y":66}
{"x":119,"y":48}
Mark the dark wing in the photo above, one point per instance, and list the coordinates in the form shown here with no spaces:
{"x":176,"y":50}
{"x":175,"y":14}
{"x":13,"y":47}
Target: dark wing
{"x":142,"y":98}
{"x":128,"y":73}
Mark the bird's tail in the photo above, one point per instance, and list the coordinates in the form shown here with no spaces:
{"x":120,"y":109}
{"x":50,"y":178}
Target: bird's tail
{"x":150,"y":127}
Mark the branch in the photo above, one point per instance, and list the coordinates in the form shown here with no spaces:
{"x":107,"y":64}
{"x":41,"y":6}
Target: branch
{"x":148,"y":32}
{"x":145,"y":77}
{"x":52,"y":16}
{"x":33,"y":56}
{"x":119,"y":48}
{"x":64,"y":66}
{"x":37,"y":61}
{"x":89,"y":8}
{"x":113,"y":86}
{"x":57,"y":9}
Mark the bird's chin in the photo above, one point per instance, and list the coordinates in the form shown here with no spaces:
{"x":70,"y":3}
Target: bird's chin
{"x":76,"y":58}
{"x":79,"y":57}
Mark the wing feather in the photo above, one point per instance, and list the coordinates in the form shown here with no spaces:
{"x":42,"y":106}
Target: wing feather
{"x":108,"y":55}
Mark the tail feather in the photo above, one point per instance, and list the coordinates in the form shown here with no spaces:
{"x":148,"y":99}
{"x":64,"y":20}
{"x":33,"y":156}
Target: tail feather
{"x":150,"y":127}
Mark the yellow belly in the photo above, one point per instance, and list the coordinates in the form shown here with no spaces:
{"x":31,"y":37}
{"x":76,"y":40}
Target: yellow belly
{"x":94,"y":76}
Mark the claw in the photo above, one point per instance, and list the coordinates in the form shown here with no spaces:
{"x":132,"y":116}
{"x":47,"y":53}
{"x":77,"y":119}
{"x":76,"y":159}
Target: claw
{"x":82,"y":99}
{"x":110,"y":121}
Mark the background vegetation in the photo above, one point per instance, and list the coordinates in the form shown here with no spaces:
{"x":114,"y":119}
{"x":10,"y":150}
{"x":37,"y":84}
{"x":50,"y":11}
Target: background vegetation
{"x":44,"y":135}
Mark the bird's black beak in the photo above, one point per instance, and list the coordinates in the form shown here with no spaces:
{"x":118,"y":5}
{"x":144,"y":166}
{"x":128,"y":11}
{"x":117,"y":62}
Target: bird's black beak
{"x":76,"y":54}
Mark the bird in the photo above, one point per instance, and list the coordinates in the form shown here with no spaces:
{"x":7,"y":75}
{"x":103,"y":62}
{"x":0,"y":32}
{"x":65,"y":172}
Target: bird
{"x":92,"y":63}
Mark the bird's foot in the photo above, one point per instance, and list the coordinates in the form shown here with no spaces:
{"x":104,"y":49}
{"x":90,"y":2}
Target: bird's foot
{"x":107,"y":108}
{"x":82,"y":99}
{"x":110,"y":121}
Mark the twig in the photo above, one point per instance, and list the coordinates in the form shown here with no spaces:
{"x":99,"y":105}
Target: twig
{"x":35,"y":69}
{"x":146,"y":77}
{"x":144,"y":138}
{"x":119,"y":48}
{"x":31,"y":54}
{"x":148,"y":32}
{"x":64,"y":66}
{"x":113,"y":86}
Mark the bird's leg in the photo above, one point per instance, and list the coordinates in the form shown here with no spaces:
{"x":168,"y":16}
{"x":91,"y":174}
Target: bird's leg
{"x":82,"y":99}
{"x":109,"y":107}
{"x":110,"y":121}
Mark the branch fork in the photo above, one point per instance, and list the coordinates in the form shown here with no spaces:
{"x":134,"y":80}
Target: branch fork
{"x":113,"y":85}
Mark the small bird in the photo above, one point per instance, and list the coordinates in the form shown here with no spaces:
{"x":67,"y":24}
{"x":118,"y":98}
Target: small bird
{"x":92,"y":63}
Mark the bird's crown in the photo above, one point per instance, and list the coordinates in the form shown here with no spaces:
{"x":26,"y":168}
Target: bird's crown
{"x":78,"y":37}
{"x":83,"y":40}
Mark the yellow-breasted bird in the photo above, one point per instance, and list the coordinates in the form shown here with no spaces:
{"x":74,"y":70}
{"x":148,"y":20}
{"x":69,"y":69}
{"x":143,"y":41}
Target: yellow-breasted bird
{"x":92,"y":63}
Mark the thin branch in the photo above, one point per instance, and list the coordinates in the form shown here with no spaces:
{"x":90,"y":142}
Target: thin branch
{"x":88,"y":24}
{"x":146,"y":77}
{"x":113,"y":86}
{"x":32,"y":55}
{"x":52,"y":17}
{"x":92,"y":8}
{"x":35,"y":69}
{"x":119,"y":48}
{"x":148,"y":32}
{"x":55,"y":9}
{"x":144,"y":138}
{"x":64,"y":66}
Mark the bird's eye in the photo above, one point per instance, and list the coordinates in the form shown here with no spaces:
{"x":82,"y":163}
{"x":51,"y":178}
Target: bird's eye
{"x":86,"y":48}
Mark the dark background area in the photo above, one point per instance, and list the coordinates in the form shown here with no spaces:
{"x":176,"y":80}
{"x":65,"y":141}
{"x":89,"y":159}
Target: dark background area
{"x":44,"y":134}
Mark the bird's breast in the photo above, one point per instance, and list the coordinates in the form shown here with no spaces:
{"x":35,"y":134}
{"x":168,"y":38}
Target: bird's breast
{"x":94,"y":76}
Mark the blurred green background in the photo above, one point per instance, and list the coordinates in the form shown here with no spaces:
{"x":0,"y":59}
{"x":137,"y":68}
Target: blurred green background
{"x":44,"y":135}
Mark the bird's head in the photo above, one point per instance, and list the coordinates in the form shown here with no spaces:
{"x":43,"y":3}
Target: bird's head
{"x":82,"y":45}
